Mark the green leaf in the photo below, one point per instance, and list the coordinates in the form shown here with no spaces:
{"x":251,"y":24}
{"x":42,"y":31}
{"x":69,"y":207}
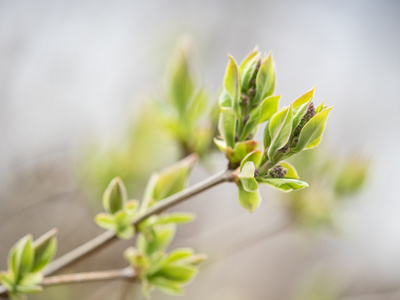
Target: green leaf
{"x":45,"y":249}
{"x":280,"y":128}
{"x":13,"y":263}
{"x":124,"y":229}
{"x":167,"y":286}
{"x":284,"y":184}
{"x":141,"y":243}
{"x":125,"y":233}
{"x":162,"y":237}
{"x":224,"y":99}
{"x":197,"y":106}
{"x":262,"y":113}
{"x":247,"y":68}
{"x":31,"y":279}
{"x":146,"y":288}
{"x":232,"y":83}
{"x":267,"y":137}
{"x":195,"y":259}
{"x":173,"y":179}
{"x":130,"y":254}
{"x":310,"y":135}
{"x":178,"y":255}
{"x":319,"y":108}
{"x":106,"y":221}
{"x":221,"y":145}
{"x":115,"y":196}
{"x":177,"y":272}
{"x":351,"y":177}
{"x":7,"y":280}
{"x":25,"y":255}
{"x":157,"y":261}
{"x":131,"y":207}
{"x":291,"y":172}
{"x":249,"y":127}
{"x":241,"y":150}
{"x":307,"y":97}
{"x":181,"y":85}
{"x":249,"y":200}
{"x":254,"y":156}
{"x":246,"y":177}
{"x":268,"y":107}
{"x":299,"y":113}
{"x":149,"y":191}
{"x":265,"y":80}
{"x":175,"y":218}
{"x":29,"y":289}
{"x":227,"y":125}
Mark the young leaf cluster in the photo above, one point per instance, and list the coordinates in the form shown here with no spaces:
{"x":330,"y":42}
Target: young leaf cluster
{"x":119,"y":211}
{"x":185,"y":113}
{"x":246,"y":102}
{"x":334,"y":179}
{"x":157,"y":269}
{"x":26,"y":260}
{"x":154,"y":267}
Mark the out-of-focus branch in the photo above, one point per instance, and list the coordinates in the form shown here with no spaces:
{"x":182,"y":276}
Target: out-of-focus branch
{"x":366,"y":295}
{"x":107,"y":237}
{"x":126,"y":273}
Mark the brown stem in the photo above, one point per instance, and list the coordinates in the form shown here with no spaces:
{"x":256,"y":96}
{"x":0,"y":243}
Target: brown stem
{"x":108,"y":236}
{"x":126,"y":273}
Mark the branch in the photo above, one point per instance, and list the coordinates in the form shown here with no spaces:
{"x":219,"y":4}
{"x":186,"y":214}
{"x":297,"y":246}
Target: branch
{"x":109,"y":236}
{"x":384,"y":292}
{"x":126,"y":273}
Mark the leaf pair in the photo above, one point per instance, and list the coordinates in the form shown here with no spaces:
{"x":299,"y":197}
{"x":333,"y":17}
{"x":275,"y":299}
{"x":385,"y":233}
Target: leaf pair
{"x":168,"y":182}
{"x":248,"y":180}
{"x":245,"y":102}
{"x":295,"y":128}
{"x":119,"y":211}
{"x":167,"y":272}
{"x":25,"y":262}
{"x":187,"y":104}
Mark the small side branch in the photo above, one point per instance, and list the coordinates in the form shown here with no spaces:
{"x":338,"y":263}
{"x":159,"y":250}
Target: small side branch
{"x":126,"y":273}
{"x":109,"y":236}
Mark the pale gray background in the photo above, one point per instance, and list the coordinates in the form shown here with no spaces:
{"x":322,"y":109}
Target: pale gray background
{"x":70,"y":69}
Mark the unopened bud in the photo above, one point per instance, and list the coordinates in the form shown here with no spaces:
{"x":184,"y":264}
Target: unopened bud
{"x":277,"y":172}
{"x":251,"y":92}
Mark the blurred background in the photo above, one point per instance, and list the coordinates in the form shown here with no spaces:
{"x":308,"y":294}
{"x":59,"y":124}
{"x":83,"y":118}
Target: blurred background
{"x":78,"y":83}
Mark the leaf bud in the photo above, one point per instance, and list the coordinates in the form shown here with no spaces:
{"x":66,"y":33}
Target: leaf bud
{"x":277,"y":172}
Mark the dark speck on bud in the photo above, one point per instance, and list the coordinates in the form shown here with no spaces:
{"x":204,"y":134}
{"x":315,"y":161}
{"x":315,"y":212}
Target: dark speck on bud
{"x":277,"y":172}
{"x":285,"y":148}
{"x":307,"y":117}
{"x":245,"y":100}
{"x":246,"y":118}
{"x":250,"y":136}
{"x":256,"y":171}
{"x":310,"y":112}
{"x":259,"y":62}
{"x":251,"y":92}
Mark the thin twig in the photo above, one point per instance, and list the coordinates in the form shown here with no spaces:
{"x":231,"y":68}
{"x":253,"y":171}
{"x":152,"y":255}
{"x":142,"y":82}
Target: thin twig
{"x":108,"y":236}
{"x":126,"y":273}
{"x":385,"y":292}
